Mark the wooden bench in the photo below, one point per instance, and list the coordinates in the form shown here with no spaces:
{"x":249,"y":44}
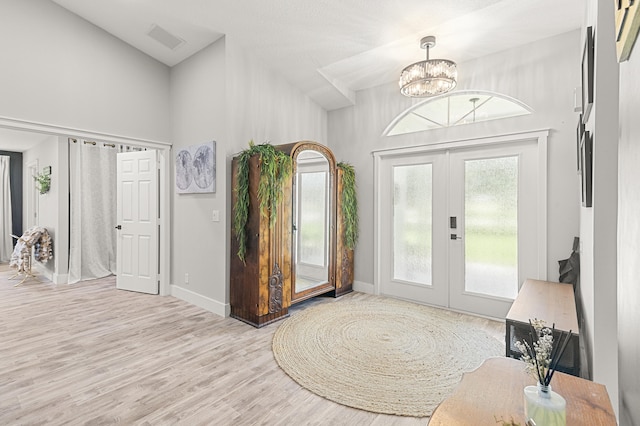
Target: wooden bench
{"x":555,"y":304}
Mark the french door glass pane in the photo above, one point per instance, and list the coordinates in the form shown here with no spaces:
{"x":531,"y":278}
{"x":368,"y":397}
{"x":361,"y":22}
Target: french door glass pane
{"x":491,"y":226}
{"x":412,"y":222}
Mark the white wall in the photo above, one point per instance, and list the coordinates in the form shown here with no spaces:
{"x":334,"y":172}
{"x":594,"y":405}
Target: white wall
{"x":543,"y":75}
{"x":198,"y":116}
{"x":53,"y":212}
{"x":264,"y":107}
{"x":598,"y":224}
{"x":629,"y":241}
{"x":222,"y":93}
{"x":57,"y":68}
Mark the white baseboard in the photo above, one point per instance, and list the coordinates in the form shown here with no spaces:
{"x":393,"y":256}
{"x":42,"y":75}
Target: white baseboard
{"x":211,"y":305}
{"x":52,"y":276}
{"x":42,"y":270}
{"x":625,"y":415}
{"x":364,"y":287}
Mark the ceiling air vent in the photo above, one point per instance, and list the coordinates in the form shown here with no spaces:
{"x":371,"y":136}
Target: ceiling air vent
{"x":164,"y":37}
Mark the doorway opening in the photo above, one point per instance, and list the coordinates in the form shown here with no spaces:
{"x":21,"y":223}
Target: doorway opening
{"x":58,"y":200}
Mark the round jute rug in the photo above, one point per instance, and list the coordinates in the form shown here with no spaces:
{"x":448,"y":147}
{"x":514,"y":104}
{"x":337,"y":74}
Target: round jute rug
{"x":381,"y":355}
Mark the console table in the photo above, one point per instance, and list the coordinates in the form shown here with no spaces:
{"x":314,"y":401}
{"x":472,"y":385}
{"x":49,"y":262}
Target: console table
{"x":494,"y":391}
{"x":555,"y":304}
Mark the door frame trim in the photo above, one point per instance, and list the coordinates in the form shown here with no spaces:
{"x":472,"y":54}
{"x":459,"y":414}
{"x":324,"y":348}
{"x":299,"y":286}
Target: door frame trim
{"x":32,"y":212}
{"x":164,"y":166}
{"x":540,"y":136}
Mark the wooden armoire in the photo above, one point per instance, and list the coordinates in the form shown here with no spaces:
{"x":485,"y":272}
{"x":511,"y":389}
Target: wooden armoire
{"x":303,"y":254}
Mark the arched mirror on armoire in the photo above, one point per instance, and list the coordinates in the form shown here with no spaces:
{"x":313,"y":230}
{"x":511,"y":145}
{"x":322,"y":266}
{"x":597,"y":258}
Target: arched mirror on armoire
{"x":313,"y":206}
{"x":301,"y":252}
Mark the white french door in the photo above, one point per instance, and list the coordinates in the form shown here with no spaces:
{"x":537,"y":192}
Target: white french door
{"x":493,"y":197}
{"x":413,"y":205}
{"x":137,"y":215}
{"x":459,"y":227}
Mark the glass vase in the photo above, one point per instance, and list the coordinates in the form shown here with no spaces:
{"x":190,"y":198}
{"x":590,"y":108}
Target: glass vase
{"x":544,"y":406}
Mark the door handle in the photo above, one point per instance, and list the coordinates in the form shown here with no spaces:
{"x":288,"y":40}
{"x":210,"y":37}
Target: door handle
{"x":455,"y":237}
{"x":119,"y":227}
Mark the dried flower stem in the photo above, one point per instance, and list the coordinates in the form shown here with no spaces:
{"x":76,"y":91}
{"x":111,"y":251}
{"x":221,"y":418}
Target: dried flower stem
{"x":540,"y":354}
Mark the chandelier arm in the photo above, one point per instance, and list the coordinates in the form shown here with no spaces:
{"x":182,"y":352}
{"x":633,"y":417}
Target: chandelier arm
{"x":473,"y":110}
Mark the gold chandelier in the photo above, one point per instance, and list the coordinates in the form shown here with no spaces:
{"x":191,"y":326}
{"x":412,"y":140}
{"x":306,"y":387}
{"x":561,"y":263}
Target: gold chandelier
{"x":429,"y":77}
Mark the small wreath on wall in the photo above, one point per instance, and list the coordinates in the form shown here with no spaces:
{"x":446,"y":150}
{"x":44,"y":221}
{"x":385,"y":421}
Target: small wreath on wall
{"x":43,"y":182}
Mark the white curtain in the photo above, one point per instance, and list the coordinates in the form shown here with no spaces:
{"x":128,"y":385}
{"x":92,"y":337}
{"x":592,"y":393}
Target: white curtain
{"x":6,"y":244}
{"x":92,"y":186}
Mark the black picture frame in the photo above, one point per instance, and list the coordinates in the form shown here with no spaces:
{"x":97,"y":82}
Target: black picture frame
{"x":586,"y":157}
{"x":579,"y":133}
{"x":587,"y":74}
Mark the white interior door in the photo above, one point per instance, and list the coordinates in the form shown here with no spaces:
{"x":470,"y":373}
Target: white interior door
{"x":137,"y":214}
{"x":459,"y":227}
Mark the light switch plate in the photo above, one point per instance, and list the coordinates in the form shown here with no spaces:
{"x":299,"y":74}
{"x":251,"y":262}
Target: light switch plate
{"x":215,"y":216}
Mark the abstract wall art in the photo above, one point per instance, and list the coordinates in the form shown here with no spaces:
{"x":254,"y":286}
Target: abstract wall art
{"x":196,"y":169}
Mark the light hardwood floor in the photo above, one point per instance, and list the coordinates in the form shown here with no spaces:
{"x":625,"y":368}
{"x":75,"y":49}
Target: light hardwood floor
{"x":91,"y":354}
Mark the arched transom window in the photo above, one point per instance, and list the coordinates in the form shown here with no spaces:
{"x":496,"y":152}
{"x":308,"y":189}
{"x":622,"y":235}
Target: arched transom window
{"x":454,"y":109}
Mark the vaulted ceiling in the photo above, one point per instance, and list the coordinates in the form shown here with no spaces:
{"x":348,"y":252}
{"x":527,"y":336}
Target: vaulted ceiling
{"x":330,"y":49}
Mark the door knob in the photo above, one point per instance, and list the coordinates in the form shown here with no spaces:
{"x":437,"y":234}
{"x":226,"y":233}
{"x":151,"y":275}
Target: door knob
{"x":455,"y":237}
{"x":119,"y":227}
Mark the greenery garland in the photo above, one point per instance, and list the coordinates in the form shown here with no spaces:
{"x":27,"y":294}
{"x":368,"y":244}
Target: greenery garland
{"x":275,"y":168}
{"x":349,"y":205}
